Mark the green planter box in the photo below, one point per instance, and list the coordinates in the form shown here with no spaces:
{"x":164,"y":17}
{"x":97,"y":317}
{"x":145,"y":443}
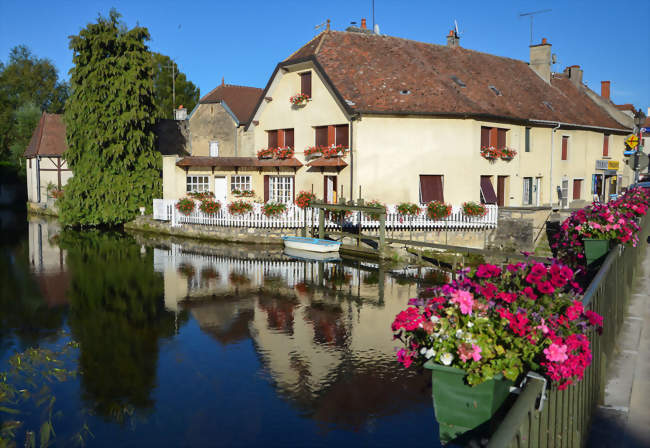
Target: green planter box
{"x":459,"y":407}
{"x":595,"y":249}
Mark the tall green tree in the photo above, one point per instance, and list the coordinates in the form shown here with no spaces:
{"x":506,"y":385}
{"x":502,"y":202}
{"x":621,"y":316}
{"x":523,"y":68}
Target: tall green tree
{"x":187,"y":93}
{"x":109,"y":125}
{"x":26,"y":80}
{"x":26,"y":119}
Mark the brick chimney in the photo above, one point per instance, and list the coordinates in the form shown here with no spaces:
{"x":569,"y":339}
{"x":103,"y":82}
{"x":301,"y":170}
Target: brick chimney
{"x":540,"y":60}
{"x":363,"y":24}
{"x":453,"y":40}
{"x":575,"y":74}
{"x":605,"y":89}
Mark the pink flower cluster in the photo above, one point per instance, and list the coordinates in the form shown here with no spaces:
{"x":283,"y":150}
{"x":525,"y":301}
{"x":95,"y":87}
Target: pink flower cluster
{"x":615,"y":221}
{"x":504,"y":320}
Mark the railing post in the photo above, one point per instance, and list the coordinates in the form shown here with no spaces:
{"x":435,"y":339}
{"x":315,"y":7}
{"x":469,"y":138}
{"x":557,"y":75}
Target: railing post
{"x":321,"y":223}
{"x":382,"y":233}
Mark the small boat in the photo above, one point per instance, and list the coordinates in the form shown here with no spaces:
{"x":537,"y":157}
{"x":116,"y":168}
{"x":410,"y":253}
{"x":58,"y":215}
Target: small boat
{"x":312,"y":256}
{"x":310,"y":244}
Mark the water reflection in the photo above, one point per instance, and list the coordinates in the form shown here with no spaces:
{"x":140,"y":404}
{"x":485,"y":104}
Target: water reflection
{"x":117,"y":315}
{"x":317,"y":327}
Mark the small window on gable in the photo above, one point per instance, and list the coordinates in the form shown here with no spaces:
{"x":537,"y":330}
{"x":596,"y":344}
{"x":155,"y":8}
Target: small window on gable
{"x":305,"y":83}
{"x":527,"y":138}
{"x":214,"y":148}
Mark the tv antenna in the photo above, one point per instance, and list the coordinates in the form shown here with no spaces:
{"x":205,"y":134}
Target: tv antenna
{"x":531,"y":15}
{"x":318,"y":27}
{"x":458,"y":33}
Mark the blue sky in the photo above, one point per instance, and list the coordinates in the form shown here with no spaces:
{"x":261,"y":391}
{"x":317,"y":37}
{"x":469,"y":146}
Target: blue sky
{"x":242,"y":41}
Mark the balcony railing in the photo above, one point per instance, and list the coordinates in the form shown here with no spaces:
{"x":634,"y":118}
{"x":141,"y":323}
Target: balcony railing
{"x":565,"y":415}
{"x":294,"y":217}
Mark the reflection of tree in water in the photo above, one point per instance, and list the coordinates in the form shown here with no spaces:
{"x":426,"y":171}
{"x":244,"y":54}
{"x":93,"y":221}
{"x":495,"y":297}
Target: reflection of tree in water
{"x":117,"y":315}
{"x":279,"y":312}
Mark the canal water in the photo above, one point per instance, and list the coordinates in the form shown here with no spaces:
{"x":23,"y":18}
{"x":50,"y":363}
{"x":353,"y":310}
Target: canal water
{"x":110,"y":339}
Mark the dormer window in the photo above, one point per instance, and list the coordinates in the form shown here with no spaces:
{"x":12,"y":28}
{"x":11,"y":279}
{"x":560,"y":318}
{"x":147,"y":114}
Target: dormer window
{"x":496,"y":91}
{"x":305,"y":83}
{"x":458,"y":81}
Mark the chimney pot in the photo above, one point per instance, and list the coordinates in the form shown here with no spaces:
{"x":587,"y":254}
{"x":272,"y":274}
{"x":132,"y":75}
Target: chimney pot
{"x":453,"y":40}
{"x":544,"y":42}
{"x":605,"y":89}
{"x":363,"y":24}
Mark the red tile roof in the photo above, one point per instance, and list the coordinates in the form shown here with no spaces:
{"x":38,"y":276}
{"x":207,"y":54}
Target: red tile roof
{"x":241,"y":100}
{"x":48,"y":138}
{"x":384,"y":74}
{"x":231,"y":162}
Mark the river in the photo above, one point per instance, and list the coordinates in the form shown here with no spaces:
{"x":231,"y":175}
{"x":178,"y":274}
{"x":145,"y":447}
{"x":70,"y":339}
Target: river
{"x":181,"y":343}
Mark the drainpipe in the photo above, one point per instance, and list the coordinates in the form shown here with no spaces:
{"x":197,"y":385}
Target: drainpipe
{"x":351,"y":160}
{"x":38,"y":178}
{"x":550,"y":180}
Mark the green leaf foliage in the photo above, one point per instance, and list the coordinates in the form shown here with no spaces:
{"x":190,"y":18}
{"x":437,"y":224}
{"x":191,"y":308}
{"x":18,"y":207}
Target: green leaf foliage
{"x":187,"y":94}
{"x":109,"y":125}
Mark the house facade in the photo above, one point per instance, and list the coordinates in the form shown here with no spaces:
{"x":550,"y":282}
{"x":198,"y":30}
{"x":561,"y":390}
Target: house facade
{"x":414,"y":117}
{"x":47,"y":170}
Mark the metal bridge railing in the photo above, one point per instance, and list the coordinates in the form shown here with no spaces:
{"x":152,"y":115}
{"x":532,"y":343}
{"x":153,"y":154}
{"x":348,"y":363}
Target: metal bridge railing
{"x":562,"y":419}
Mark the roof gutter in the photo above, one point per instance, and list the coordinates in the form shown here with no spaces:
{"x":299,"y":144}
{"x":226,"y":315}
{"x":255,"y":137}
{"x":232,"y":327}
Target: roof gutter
{"x":579,"y":126}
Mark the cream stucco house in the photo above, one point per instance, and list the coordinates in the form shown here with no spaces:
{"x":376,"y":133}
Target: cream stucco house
{"x":414,"y":117}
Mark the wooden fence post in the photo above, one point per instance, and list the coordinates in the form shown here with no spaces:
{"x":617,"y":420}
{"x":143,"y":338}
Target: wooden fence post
{"x":321,"y":223}
{"x":382,"y":233}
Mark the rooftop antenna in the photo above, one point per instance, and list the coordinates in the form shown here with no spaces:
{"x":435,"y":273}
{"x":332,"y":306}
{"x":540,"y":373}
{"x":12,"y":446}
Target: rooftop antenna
{"x":531,"y":15}
{"x":373,"y":14}
{"x":318,"y":27}
{"x":458,"y":33}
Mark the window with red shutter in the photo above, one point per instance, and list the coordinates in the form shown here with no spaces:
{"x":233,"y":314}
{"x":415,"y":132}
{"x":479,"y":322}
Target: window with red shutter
{"x":273,"y":139}
{"x":606,"y":145}
{"x":565,"y":147}
{"x":305,"y":83}
{"x":321,"y":136}
{"x":501,"y":138}
{"x":288,"y":138}
{"x":431,"y":189}
{"x":485,"y":136}
{"x":341,"y":135}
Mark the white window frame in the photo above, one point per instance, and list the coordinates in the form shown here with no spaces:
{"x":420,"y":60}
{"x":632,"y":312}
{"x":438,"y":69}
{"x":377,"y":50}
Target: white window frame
{"x":240,"y":182}
{"x":531,"y":193}
{"x":214,"y":144}
{"x":197,"y":183}
{"x":281,"y":189}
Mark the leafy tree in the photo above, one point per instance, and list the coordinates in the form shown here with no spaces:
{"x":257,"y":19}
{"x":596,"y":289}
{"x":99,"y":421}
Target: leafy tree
{"x":26,"y":80}
{"x":187,"y":93}
{"x":25,"y":121}
{"x":109,"y":119}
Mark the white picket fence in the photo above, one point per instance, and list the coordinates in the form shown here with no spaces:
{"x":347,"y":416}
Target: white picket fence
{"x":294,"y":217}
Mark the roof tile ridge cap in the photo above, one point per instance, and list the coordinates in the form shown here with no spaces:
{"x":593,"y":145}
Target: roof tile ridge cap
{"x":303,"y":46}
{"x":209,"y":93}
{"x":320,"y":44}
{"x":241,"y":87}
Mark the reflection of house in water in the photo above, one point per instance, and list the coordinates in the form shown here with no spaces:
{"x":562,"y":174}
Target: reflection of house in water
{"x":321,"y":330}
{"x":47,"y":261}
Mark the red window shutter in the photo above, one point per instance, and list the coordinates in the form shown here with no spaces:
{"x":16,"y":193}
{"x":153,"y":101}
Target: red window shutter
{"x":485,"y":136}
{"x":606,"y":145}
{"x":431,"y":188}
{"x":501,"y":190}
{"x":565,"y":147}
{"x":273,"y":139}
{"x":288,"y":138}
{"x":321,"y":136}
{"x":325,"y":189}
{"x":331,"y":135}
{"x":266,"y":189}
{"x":501,"y":138}
{"x":305,"y":83}
{"x":342,"y":134}
{"x":493,"y":137}
{"x":281,"y":138}
{"x":488,"y":196}
{"x":577,"y":187}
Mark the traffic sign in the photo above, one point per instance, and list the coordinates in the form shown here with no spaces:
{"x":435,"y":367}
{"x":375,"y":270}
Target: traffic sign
{"x":632,"y":141}
{"x":645,"y":130}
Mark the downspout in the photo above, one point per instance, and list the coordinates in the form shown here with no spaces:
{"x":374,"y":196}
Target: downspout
{"x":38,"y":178}
{"x":550,"y":180}
{"x":351,"y":160}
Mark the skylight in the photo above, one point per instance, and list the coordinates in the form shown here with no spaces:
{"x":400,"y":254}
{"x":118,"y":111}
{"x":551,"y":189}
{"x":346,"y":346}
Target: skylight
{"x":496,"y":91}
{"x":405,"y":92}
{"x":547,"y":104}
{"x":458,"y":81}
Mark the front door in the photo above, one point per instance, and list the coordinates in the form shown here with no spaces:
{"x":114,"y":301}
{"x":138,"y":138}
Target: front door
{"x":330,"y":190}
{"x":501,"y":191}
{"x":220,"y":189}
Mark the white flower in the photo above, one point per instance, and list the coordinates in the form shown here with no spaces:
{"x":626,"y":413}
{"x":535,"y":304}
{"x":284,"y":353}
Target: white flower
{"x":446,"y":358}
{"x":470,"y":324}
{"x":423,"y":350}
{"x":459,"y":334}
{"x":435,"y":319}
{"x":430,"y":353}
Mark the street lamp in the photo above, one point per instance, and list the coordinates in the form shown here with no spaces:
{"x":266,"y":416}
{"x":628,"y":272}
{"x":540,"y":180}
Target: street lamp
{"x":639,"y":118}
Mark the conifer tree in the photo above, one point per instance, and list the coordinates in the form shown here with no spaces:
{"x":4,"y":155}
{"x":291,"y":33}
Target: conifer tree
{"x":109,"y":126}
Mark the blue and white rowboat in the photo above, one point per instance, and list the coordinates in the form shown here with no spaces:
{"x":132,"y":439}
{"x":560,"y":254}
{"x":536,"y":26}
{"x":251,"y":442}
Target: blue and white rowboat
{"x":311,"y":244}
